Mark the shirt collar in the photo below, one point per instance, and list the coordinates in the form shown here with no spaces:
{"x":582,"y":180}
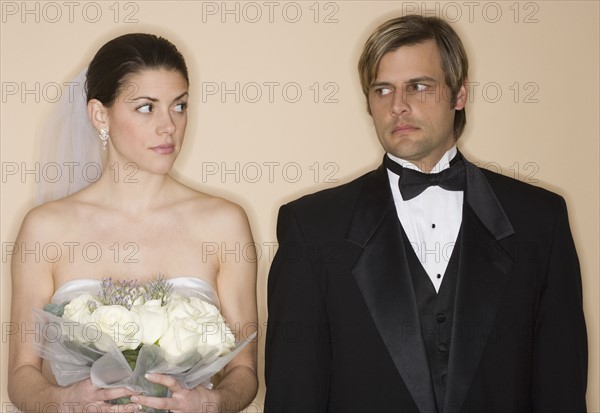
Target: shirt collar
{"x":442,"y":164}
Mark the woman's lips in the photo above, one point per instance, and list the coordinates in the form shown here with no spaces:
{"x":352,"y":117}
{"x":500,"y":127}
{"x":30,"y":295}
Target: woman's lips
{"x":164,"y":149}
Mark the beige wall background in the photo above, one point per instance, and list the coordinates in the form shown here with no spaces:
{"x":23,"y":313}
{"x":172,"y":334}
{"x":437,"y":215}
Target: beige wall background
{"x":277,"y":112}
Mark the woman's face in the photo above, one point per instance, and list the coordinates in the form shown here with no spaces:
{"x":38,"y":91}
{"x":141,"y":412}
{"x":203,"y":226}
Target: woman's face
{"x":148,"y":119}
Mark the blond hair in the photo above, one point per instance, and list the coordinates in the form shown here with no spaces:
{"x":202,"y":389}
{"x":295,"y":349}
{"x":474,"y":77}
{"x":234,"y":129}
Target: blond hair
{"x":410,"y":30}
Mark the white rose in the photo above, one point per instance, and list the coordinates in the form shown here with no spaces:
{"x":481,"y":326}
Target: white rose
{"x":179,"y":307}
{"x":180,"y":340}
{"x":154,"y":321}
{"x":79,"y":310}
{"x":198,"y":323}
{"x":120,"y":324}
{"x":216,"y":335}
{"x":206,"y":309}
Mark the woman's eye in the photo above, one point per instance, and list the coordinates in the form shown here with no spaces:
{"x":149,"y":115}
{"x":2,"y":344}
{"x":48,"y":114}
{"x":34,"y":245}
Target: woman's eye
{"x":181,"y":107}
{"x":147,"y":108}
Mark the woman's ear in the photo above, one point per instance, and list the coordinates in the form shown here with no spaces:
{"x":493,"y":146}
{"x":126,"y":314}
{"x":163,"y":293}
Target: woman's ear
{"x":98,"y":114}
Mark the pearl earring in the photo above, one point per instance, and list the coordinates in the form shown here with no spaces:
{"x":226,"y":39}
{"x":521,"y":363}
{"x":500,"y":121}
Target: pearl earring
{"x":104,"y":137}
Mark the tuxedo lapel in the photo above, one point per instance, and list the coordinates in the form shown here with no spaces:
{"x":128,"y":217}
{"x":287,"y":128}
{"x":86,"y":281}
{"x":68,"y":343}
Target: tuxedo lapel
{"x":484,"y":267}
{"x":382,"y":274}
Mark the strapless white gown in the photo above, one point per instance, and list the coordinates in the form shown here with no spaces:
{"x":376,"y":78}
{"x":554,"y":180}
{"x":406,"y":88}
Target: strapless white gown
{"x":184,"y":286}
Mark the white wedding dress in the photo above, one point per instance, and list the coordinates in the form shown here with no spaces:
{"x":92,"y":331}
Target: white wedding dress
{"x":184,"y":286}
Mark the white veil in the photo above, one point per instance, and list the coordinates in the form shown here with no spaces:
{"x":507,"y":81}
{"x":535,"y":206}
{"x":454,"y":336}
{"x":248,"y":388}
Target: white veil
{"x":71,"y":151}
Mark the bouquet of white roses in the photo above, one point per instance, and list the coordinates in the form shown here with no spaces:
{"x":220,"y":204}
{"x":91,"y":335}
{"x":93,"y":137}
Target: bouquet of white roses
{"x":128,"y":330}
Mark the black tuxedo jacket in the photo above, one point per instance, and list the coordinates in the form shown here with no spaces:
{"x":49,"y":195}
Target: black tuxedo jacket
{"x":344,"y":335}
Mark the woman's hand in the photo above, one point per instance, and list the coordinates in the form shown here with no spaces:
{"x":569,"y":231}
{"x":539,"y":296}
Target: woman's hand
{"x":196,"y":400}
{"x":83,"y":396}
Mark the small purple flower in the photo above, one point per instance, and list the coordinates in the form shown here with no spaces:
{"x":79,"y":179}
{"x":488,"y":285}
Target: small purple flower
{"x":126,"y":292}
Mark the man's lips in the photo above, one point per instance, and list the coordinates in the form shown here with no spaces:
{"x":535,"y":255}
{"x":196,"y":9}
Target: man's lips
{"x":404,"y":128}
{"x":164,"y":149}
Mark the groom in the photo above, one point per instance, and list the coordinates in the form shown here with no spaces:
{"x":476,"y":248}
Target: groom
{"x":427,"y":285}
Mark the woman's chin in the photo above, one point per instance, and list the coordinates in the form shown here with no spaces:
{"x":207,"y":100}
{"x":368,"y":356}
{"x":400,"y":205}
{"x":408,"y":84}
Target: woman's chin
{"x":160,"y":166}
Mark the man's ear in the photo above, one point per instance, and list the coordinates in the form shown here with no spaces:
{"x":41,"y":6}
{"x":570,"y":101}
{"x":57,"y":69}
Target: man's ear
{"x":462,"y":96}
{"x":98,"y":114}
{"x":369,"y":105}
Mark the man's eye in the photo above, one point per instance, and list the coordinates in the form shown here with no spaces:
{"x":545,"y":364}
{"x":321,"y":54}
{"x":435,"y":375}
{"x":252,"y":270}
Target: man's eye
{"x":384,"y":91}
{"x":417,"y":87}
{"x":181,"y":107}
{"x":146,"y":108}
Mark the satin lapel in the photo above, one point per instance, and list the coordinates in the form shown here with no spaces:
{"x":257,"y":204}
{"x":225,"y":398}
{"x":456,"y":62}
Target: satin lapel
{"x":382,"y":274}
{"x":484,"y":267}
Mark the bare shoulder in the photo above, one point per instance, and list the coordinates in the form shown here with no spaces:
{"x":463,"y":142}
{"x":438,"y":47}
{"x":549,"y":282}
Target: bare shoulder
{"x":216,"y":214}
{"x":47,"y":221}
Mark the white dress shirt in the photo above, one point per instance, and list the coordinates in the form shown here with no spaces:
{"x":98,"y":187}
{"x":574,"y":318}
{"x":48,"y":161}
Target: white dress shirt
{"x":430,"y":220}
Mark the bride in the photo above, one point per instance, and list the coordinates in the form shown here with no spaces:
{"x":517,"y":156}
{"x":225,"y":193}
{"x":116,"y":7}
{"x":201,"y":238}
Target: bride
{"x":142,"y":226}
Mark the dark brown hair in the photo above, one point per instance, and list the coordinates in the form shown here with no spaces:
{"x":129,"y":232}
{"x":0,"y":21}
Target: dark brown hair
{"x":124,"y":56}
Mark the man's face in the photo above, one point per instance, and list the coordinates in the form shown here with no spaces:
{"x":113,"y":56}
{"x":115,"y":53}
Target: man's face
{"x":411,"y":105}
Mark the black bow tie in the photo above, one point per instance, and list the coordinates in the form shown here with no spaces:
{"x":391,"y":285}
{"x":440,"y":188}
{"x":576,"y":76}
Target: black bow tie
{"x":412,"y":183}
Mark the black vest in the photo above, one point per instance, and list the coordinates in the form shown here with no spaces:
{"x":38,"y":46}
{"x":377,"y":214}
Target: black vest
{"x":436,"y":312}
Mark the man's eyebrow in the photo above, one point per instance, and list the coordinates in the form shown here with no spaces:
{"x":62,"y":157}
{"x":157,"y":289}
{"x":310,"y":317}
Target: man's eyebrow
{"x":420,"y":79}
{"x":409,"y":81}
{"x":375,"y":84}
